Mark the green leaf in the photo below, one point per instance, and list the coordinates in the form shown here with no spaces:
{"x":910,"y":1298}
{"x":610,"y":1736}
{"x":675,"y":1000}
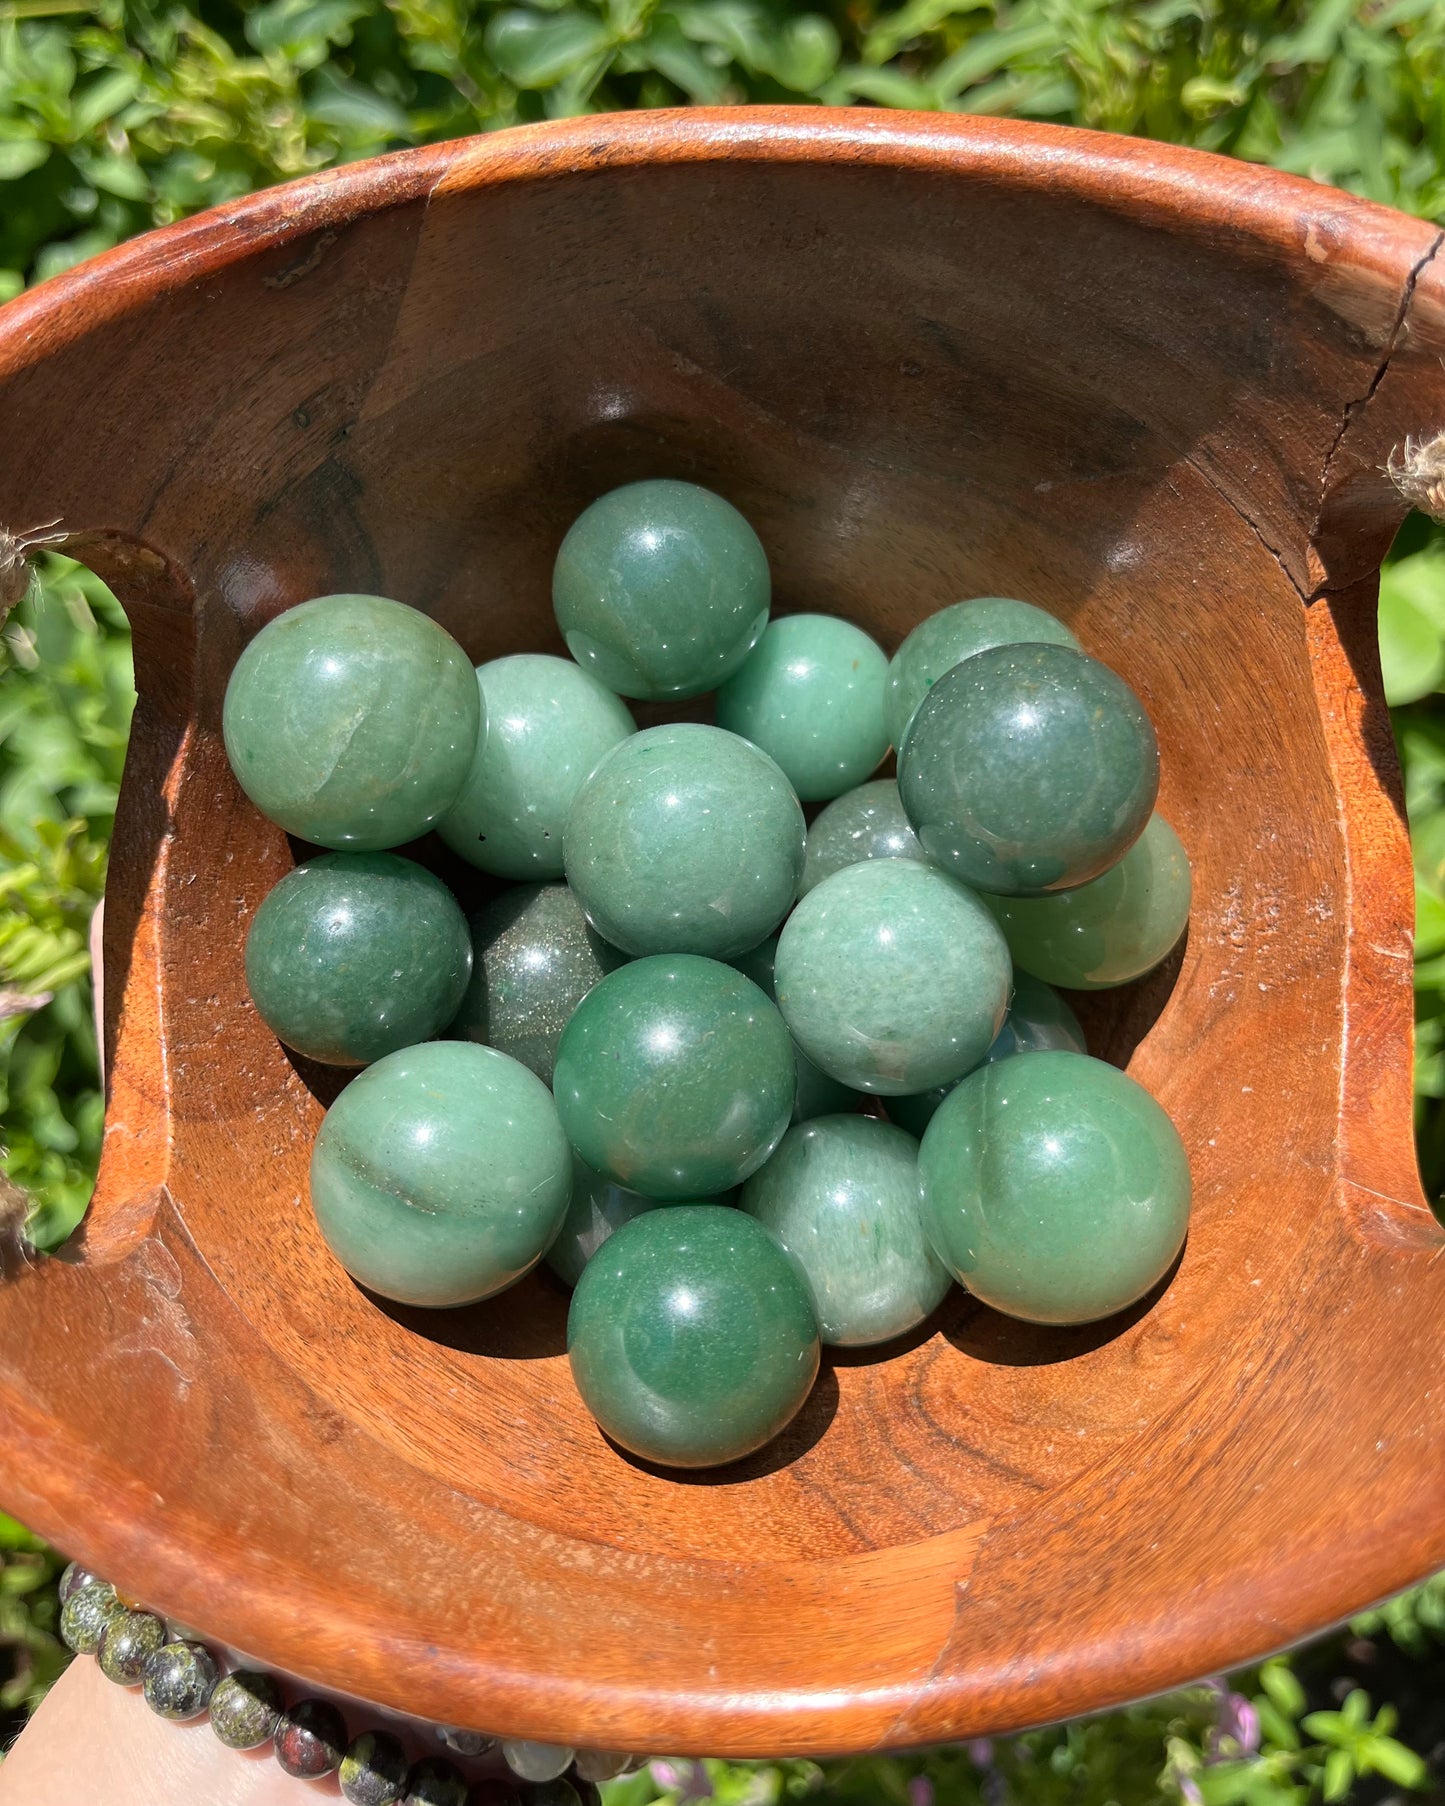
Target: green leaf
{"x":1339,"y":1775}
{"x":1397,"y":1763}
{"x":1282,"y":1685}
{"x":303,"y":29}
{"x":1412,"y":647}
{"x":119,"y":176}
{"x":684,"y":63}
{"x":1225,"y":1784}
{"x":535,"y":51}
{"x":19,"y":156}
{"x":1276,"y":1727}
{"x":1429,"y":921}
{"x":886,"y":87}
{"x":806,"y":54}
{"x":339,"y":101}
{"x":1356,"y":1710}
{"x":101,"y":100}
{"x":1324,"y":1727}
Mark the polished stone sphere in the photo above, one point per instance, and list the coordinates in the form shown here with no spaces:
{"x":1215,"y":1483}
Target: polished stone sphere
{"x":599,"y":1206}
{"x":351,"y":722}
{"x":810,"y":693}
{"x":867,"y":823}
{"x":954,"y":634}
{"x":1029,"y":769}
{"x":692,"y":1337}
{"x":675,"y":1077}
{"x":817,"y":1094}
{"x":1054,"y":1187}
{"x":685,"y":839}
{"x":548,"y":724}
{"x":441,"y":1174}
{"x":841,"y":1196}
{"x":1111,"y":930}
{"x":1038,"y":1020}
{"x":354,"y":955}
{"x":535,"y":957}
{"x":892,"y":977}
{"x":661,"y":589}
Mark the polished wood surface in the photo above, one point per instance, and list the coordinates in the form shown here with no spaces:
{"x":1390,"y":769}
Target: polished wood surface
{"x":1151,"y":390}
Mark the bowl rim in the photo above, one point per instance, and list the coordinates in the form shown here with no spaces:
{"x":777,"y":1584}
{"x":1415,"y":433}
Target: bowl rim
{"x":1108,"y":169}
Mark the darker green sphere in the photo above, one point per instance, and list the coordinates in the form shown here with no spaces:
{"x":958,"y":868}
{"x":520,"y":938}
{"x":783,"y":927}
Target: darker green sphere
{"x":1029,"y":769}
{"x":354,"y":955}
{"x":661,"y":589}
{"x":692,"y":1336}
{"x":675,"y":1077}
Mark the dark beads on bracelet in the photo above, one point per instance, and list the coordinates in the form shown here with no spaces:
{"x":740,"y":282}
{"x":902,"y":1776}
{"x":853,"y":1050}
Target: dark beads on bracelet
{"x":311,"y":1739}
{"x":465,"y":1743}
{"x":561,"y":1792}
{"x":374,"y":1770}
{"x":75,"y":1577}
{"x":435,"y":1782}
{"x":128,"y":1638}
{"x":246,"y":1709}
{"x":85,"y":1615}
{"x":179,"y":1679}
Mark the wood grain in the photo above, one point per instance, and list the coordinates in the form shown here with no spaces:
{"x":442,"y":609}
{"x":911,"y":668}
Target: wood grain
{"x":1148,"y":389}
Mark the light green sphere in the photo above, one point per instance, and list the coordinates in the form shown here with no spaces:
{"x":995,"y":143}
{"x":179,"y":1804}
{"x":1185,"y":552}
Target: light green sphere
{"x":1054,"y":1187}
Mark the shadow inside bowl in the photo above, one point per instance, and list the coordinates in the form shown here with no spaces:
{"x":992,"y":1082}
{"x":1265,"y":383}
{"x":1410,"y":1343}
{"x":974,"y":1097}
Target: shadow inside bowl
{"x":988,"y":1335}
{"x":527,"y":1322}
{"x":805,"y":1431}
{"x":1117,"y":1020}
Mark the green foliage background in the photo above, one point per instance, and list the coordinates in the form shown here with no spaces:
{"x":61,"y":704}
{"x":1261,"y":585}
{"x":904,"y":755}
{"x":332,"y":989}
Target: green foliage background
{"x":131,"y":114}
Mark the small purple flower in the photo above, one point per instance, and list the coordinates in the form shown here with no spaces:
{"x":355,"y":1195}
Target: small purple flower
{"x":1236,"y":1733}
{"x":690,"y":1780}
{"x":980,"y":1751}
{"x":920,"y":1791}
{"x":1189,"y":1790}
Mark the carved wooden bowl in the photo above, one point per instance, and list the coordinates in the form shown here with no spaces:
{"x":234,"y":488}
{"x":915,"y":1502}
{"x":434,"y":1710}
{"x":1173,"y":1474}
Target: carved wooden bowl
{"x":1151,"y":390}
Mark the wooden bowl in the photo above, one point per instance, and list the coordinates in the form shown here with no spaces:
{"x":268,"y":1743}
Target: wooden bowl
{"x":928,"y":357}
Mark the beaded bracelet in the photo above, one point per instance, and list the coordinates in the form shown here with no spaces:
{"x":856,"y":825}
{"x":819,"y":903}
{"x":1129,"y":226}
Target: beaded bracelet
{"x":182,"y":1679}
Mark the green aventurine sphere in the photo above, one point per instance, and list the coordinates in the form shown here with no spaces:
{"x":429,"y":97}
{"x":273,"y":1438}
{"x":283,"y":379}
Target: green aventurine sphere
{"x":354,"y":955}
{"x":1054,"y":1187}
{"x":841,"y":1196}
{"x":1038,"y":1020}
{"x":893,"y":977}
{"x":548,"y":724}
{"x":351,"y":722}
{"x":1029,"y":769}
{"x":661,"y":589}
{"x":867,"y":823}
{"x":1108,"y":931}
{"x":535,"y":957}
{"x":954,"y":634}
{"x":685,"y":839}
{"x":810,"y":693}
{"x":817,"y":1094}
{"x":675,"y":1077}
{"x":692,"y":1337}
{"x":441,"y":1174}
{"x":599,"y":1207}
